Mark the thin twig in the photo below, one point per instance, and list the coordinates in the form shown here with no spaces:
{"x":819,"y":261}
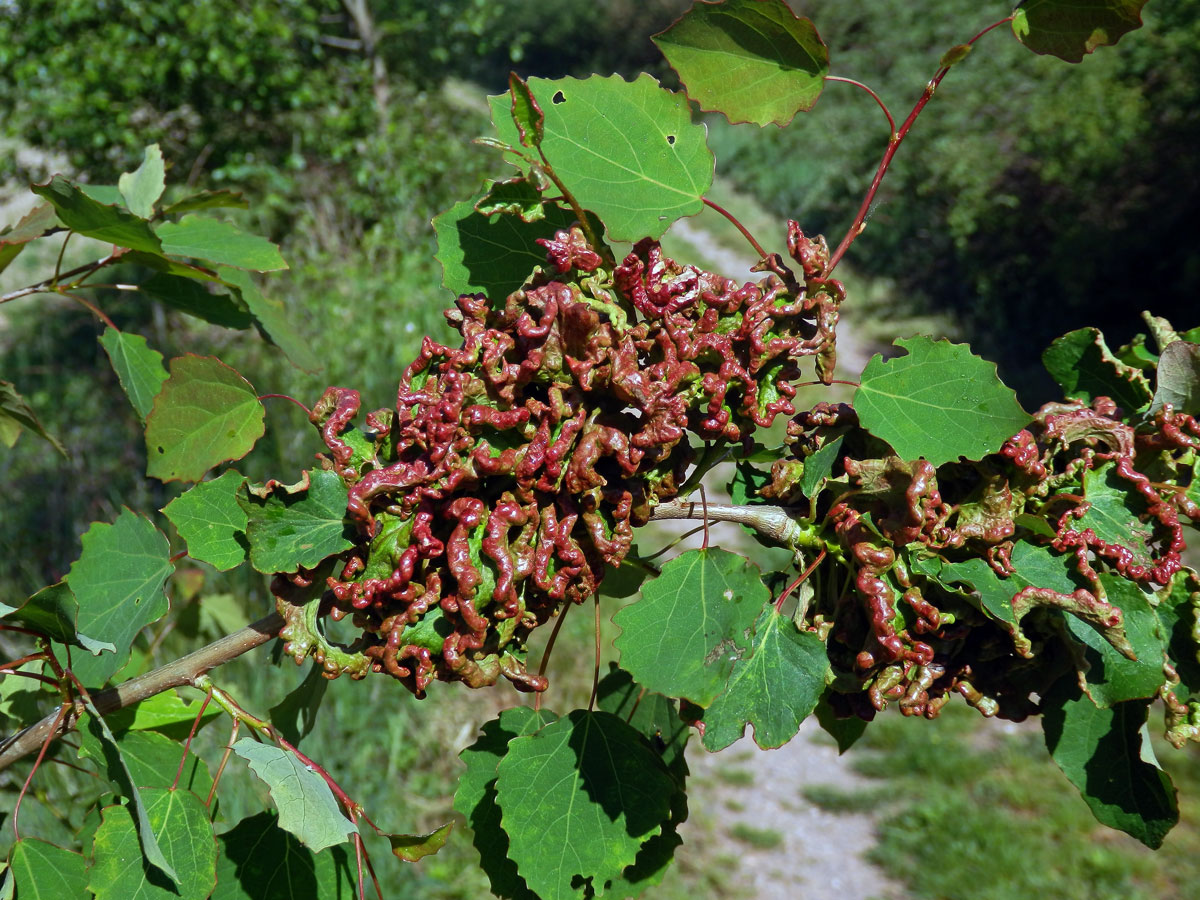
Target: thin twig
{"x":762,"y":254}
{"x":537,"y":701}
{"x":91,"y":307}
{"x":62,"y":711}
{"x":882,"y":105}
{"x":596,"y":671}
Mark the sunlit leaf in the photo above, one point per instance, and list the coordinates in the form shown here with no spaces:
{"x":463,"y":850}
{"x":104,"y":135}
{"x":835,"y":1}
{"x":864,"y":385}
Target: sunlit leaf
{"x":205,"y":414}
{"x":414,"y":847}
{"x":287,"y":531}
{"x":939,"y":402}
{"x":43,"y":871}
{"x":753,"y":60}
{"x":1085,"y":368}
{"x":142,"y":187}
{"x":637,"y":185}
{"x":139,"y":368}
{"x":526,"y":114}
{"x":93,"y":219}
{"x":209,"y":518}
{"x":1069,"y":29}
{"x":166,"y":713}
{"x":214,"y":241}
{"x":306,"y":805}
{"x":515,"y":196}
{"x":692,"y":624}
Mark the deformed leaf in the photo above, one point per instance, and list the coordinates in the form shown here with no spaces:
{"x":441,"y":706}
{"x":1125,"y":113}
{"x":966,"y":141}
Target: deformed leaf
{"x":1069,"y":29}
{"x":515,"y":196}
{"x":139,"y":368}
{"x":117,"y":870}
{"x":773,"y":688}
{"x":1085,"y":368}
{"x":600,"y":794}
{"x":1178,"y":379}
{"x":118,"y":581}
{"x":637,"y":187}
{"x":1106,"y":753}
{"x":289,"y":531}
{"x":16,"y":414}
{"x":214,"y":241}
{"x":94,"y":219}
{"x":475,"y":798}
{"x":692,"y":624}
{"x":205,"y":414}
{"x":272,"y":320}
{"x":939,"y":402}
{"x":43,"y":871}
{"x":307,"y":807}
{"x":526,"y":114}
{"x":753,"y":60}
{"x":1114,"y":513}
{"x":31,"y":226}
{"x":296,"y":714}
{"x":261,"y":861}
{"x":414,"y":847}
{"x":142,"y":187}
{"x":209,"y":518}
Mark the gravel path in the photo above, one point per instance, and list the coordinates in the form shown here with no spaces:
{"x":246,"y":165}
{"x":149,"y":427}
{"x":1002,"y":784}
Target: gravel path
{"x":820,"y":855}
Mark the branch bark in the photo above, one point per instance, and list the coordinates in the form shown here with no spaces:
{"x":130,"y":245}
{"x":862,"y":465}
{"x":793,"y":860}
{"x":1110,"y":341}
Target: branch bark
{"x":777,"y":523}
{"x":177,"y":673}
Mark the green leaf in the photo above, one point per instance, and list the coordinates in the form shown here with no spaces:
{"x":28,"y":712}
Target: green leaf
{"x":526,"y":114}
{"x":939,"y":401}
{"x":108,"y":194}
{"x":96,"y":741}
{"x":118,"y":581}
{"x":414,"y":847}
{"x":261,"y":861}
{"x":32,"y":225}
{"x":53,"y":611}
{"x":139,"y":369}
{"x":1113,"y":513}
{"x":652,"y":715}
{"x":164,"y":713}
{"x":152,"y":761}
{"x":475,"y":798}
{"x":515,"y":196}
{"x":1177,"y":613}
{"x":15,"y":414}
{"x":1069,"y":29}
{"x":600,"y":793}
{"x":819,"y":466}
{"x":1106,"y":753}
{"x":142,"y":187}
{"x":272,"y":320}
{"x":692,"y":624}
{"x":186,"y":294}
{"x":494,"y":254}
{"x":205,"y":414}
{"x":169,"y":266}
{"x":295,"y":715}
{"x":118,"y":871}
{"x":307,"y":807}
{"x":773,"y":688}
{"x":1112,"y":678}
{"x":208,"y":200}
{"x":209,"y":518}
{"x":637,"y":187}
{"x":1085,"y":368}
{"x":753,"y":60}
{"x":1178,"y":379}
{"x":845,"y":732}
{"x":214,"y":241}
{"x":288,"y":531}
{"x":42,"y":871}
{"x":93,"y":219}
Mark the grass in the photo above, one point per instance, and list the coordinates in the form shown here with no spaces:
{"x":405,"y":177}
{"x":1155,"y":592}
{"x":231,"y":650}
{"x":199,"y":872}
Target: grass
{"x":758,"y":838}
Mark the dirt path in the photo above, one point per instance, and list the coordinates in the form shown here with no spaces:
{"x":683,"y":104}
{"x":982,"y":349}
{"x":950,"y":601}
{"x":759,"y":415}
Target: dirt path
{"x":786,"y":848}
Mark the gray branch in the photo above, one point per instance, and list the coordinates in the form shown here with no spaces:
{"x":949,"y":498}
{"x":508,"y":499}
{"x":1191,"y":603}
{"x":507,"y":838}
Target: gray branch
{"x":776,"y":523}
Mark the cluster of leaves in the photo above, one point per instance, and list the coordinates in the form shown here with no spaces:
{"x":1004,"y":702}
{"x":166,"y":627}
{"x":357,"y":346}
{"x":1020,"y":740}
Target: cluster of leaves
{"x":946,"y":541}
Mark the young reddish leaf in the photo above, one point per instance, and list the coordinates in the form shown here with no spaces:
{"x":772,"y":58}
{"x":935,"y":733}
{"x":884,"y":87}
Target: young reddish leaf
{"x":527,"y":115}
{"x":212,"y":523}
{"x":93,"y":219}
{"x":16,"y":414}
{"x":43,"y":871}
{"x":139,"y":369}
{"x":753,"y":60}
{"x":181,"y":819}
{"x":939,"y":402}
{"x":414,"y":847}
{"x":214,"y":241}
{"x":1085,"y":368}
{"x":636,"y":186}
{"x":773,"y":688}
{"x":142,"y":187}
{"x":692,"y":624}
{"x":1069,"y":29}
{"x":261,"y":861}
{"x":288,"y":531}
{"x":475,"y":798}
{"x":272,"y":320}
{"x":307,"y":807}
{"x":600,"y":794}
{"x":205,"y":414}
{"x":118,"y":581}
{"x":1107,"y":754}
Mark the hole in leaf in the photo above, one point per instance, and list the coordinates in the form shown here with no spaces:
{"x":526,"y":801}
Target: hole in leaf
{"x":558,"y":97}
{"x":671,"y":139}
{"x":161,"y":450}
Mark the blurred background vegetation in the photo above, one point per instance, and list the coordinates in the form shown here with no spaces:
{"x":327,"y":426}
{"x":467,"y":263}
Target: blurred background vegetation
{"x":1031,"y":198}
